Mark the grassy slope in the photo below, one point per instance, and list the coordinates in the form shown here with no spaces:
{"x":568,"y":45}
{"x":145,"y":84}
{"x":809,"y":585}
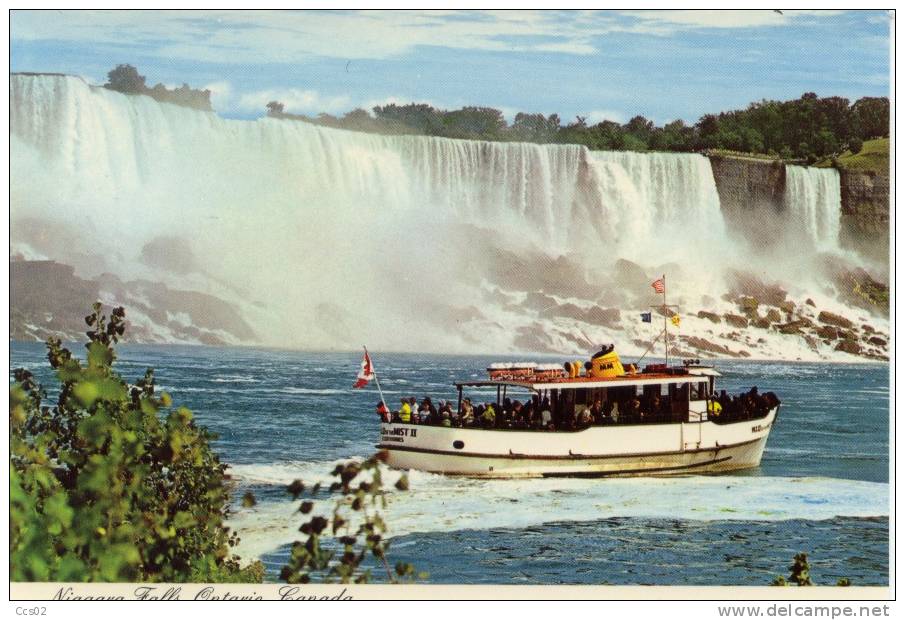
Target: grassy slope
{"x":874,"y":156}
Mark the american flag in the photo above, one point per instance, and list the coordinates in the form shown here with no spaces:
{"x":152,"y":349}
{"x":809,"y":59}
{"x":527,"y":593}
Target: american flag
{"x":659,"y":286}
{"x":366,"y":373}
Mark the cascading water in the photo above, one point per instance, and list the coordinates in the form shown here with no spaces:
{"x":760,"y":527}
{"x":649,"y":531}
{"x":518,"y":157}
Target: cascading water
{"x":346,"y":237}
{"x":814,"y":206}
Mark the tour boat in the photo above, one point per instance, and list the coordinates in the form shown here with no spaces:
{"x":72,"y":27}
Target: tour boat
{"x":693,"y":431}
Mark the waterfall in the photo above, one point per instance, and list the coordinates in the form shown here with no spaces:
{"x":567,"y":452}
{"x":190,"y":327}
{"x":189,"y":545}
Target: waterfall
{"x":104,"y":145}
{"x":813,"y":204}
{"x":346,"y":237}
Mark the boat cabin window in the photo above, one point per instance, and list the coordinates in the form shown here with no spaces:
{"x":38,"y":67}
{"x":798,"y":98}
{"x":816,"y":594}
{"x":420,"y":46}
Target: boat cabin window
{"x":699,"y":390}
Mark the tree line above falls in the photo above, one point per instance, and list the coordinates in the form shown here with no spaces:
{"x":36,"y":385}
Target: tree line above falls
{"x":807,"y":129}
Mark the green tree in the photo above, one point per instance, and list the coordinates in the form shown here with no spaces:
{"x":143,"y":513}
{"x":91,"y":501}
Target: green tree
{"x":873,"y":117}
{"x":113,"y":483}
{"x":534,"y":128}
{"x":126,"y":79}
{"x":275,"y":108}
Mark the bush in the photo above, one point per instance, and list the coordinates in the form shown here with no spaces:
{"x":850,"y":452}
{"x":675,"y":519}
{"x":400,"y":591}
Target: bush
{"x":355,"y":526}
{"x":113,"y":483}
{"x":855,"y":145}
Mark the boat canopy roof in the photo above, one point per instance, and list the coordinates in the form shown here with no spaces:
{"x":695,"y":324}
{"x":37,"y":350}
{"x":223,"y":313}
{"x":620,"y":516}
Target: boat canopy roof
{"x":577,"y":383}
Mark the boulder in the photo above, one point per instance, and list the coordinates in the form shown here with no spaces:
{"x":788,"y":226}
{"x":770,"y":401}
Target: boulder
{"x":793,"y":327}
{"x":735,"y":320}
{"x":749,"y":285}
{"x":747,"y":305}
{"x":710,"y":316}
{"x":705,"y":345}
{"x":787,"y":306}
{"x":761,"y":322}
{"x":827,"y":332}
{"x":810,"y":302}
{"x":849,"y":346}
{"x":773,"y":315}
{"x":834,"y":319}
{"x":867,"y":329}
{"x":877,"y":341}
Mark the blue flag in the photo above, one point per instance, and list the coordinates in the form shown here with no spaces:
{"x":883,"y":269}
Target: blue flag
{"x":645,"y":317}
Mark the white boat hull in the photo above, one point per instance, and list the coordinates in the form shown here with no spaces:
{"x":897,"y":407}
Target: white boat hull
{"x":624,"y":450}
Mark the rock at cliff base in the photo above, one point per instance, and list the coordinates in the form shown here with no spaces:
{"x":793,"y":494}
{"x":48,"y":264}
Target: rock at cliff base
{"x":735,"y":320}
{"x":827,"y":332}
{"x":834,"y":319}
{"x":849,"y":346}
{"x":710,"y":316}
{"x":773,"y":315}
{"x":749,"y":285}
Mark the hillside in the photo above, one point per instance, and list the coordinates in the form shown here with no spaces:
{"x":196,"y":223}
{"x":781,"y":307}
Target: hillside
{"x":873,"y":157}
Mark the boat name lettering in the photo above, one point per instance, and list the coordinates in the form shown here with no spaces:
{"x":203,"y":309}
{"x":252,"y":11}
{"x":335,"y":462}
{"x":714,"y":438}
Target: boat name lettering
{"x":759,"y":428}
{"x":402,"y":432}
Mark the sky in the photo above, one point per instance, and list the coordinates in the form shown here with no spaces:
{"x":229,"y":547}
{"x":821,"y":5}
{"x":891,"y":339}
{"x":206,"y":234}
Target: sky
{"x":613,"y":65}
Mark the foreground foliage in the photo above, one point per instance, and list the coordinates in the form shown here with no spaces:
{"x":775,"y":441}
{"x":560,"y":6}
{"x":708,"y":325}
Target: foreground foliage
{"x":113,"y":483}
{"x":355,"y":526}
{"x":800,"y":574}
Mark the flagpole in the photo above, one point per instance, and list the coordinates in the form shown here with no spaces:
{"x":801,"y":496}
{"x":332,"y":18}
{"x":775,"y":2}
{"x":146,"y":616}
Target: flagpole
{"x":376,"y":380}
{"x":665,"y":325}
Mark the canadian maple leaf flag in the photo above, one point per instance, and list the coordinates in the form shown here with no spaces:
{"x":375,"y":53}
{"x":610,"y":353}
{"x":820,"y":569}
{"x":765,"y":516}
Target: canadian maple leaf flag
{"x":366,"y":373}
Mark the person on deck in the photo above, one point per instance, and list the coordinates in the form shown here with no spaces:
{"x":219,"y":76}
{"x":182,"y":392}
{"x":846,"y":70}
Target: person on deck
{"x":383,"y":412}
{"x":405,"y":412}
{"x":546,"y":416}
{"x":614,"y":413}
{"x":489,"y":417}
{"x":597,"y":412}
{"x":585,"y":418}
{"x":467,"y":415}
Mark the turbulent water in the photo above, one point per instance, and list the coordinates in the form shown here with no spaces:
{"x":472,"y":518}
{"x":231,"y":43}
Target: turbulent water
{"x":327,"y":239}
{"x":822,"y":487}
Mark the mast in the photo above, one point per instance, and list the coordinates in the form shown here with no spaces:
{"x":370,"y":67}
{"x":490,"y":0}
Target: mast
{"x":665,"y":322}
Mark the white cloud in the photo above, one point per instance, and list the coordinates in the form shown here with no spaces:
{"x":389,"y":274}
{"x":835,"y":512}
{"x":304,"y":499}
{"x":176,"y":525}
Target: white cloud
{"x":666,"y":21}
{"x":296,"y":100}
{"x":221,"y":94}
{"x":296,"y":36}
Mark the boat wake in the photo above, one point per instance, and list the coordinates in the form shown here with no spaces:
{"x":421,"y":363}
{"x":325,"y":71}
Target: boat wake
{"x":437,"y":503}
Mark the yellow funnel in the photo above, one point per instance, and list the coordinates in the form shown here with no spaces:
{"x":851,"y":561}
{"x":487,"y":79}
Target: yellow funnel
{"x":606,"y":364}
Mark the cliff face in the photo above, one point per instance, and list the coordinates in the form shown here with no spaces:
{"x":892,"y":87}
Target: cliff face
{"x":749,"y":189}
{"x":865,"y":212}
{"x":48,"y":299}
{"x":751,"y":197}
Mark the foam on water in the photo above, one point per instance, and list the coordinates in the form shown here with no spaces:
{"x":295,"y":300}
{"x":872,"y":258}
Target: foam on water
{"x":440,"y":503}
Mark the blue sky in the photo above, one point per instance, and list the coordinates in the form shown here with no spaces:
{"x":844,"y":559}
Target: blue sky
{"x":599,"y":64}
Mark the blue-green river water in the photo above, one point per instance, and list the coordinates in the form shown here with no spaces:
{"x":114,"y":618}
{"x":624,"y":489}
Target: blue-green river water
{"x":822,"y":487}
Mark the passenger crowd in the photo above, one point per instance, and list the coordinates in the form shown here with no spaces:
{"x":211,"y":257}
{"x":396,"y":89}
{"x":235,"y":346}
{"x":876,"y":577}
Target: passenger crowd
{"x":537,"y":413}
